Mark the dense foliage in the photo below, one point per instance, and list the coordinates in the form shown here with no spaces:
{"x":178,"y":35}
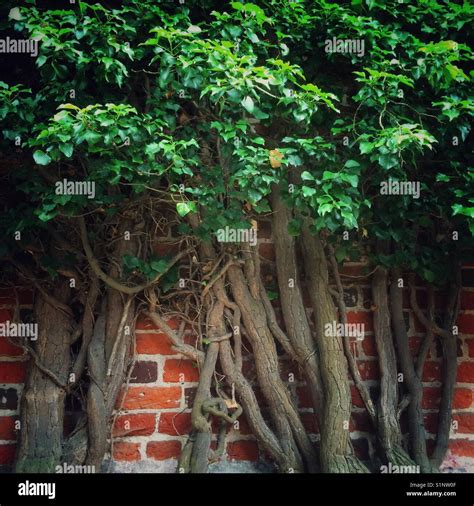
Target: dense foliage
{"x":205,"y":108}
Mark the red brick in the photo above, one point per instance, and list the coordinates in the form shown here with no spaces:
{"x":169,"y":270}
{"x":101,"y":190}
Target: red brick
{"x":432,"y":371}
{"x":465,"y":423}
{"x":369,"y":347}
{"x":174,"y":368}
{"x":126,"y":451}
{"x":138,"y":425}
{"x":244,"y":427}
{"x":144,"y":372}
{"x":242,"y":450}
{"x":466,"y":323}
{"x":8,"y":349}
{"x":310,"y":423}
{"x":13,"y":372}
{"x":414,"y":343}
{"x":364,"y":317}
{"x":152,"y":397}
{"x":462,"y":447}
{"x":5,"y":315}
{"x":463,"y":398}
{"x":162,"y":450}
{"x":466,"y":372}
{"x":356,"y":398}
{"x":175,"y":424}
{"x":470,"y":347}
{"x":431,"y":397}
{"x":7,"y":454}
{"x":360,"y":422}
{"x":467,"y":299}
{"x":431,"y":422}
{"x":144,"y":323}
{"x":154,"y":344}
{"x":304,"y":397}
{"x":7,"y":428}
{"x":369,"y":369}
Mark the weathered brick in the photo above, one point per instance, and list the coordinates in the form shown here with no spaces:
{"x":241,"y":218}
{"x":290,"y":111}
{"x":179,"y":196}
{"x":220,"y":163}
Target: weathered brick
{"x":432,"y":371}
{"x":431,"y":397}
{"x":467,"y":300}
{"x":465,"y":323}
{"x":465,"y":423}
{"x":162,"y":450}
{"x":154,"y":343}
{"x":5,"y":315}
{"x":177,"y":370}
{"x":470,"y":347}
{"x":7,"y":454}
{"x":144,"y":323}
{"x":144,"y":372}
{"x":466,"y":372}
{"x":152,"y":398}
{"x":304,"y":397}
{"x":463,"y":398}
{"x":363,"y":317}
{"x":13,"y":372}
{"x":310,"y":423}
{"x":356,"y":398}
{"x":368,"y":345}
{"x":7,"y":428}
{"x":175,"y":424}
{"x":431,"y":422}
{"x":124,"y":451}
{"x":134,"y":425}
{"x":7,"y":349}
{"x":360,"y":421}
{"x":414,"y":343}
{"x":462,"y":447}
{"x":242,"y":450}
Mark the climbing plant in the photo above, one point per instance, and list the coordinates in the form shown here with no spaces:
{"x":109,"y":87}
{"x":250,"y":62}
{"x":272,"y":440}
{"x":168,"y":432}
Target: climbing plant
{"x":346,"y":125}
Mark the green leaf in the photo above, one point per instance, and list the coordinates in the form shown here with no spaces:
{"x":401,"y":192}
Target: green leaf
{"x":67,"y":149}
{"x":184,"y":208}
{"x":41,"y":158}
{"x":351,"y":164}
{"x":366,"y":147}
{"x":248,"y":104}
{"x":306,"y":176}
{"x":308,"y":192}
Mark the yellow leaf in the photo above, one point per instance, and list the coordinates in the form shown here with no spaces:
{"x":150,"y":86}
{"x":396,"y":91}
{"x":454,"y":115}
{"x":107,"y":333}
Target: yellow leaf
{"x":275,"y":158}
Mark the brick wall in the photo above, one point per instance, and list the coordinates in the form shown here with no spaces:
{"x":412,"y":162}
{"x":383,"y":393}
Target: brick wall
{"x":153,"y":415}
